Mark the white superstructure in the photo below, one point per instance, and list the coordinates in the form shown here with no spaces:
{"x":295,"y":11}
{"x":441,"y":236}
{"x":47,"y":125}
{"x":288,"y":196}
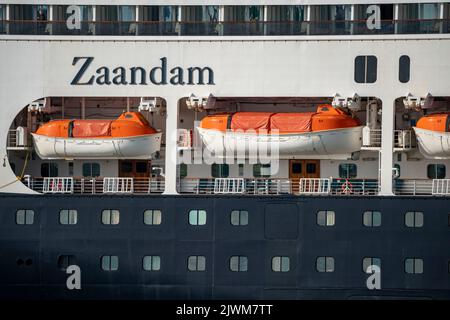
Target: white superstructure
{"x":210,"y":56}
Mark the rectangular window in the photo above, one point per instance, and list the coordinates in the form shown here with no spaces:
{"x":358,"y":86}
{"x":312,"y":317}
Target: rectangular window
{"x":414,"y":265}
{"x":183,"y":170}
{"x":220,"y":170}
{"x":24,"y":216}
{"x":68,"y":216}
{"x":239,"y":263}
{"x":65,"y":261}
{"x":152,"y":217}
{"x":110,"y":216}
{"x":372,"y":218}
{"x":348,"y":170}
{"x":91,"y":169}
{"x":49,"y":169}
{"x":110,"y":263}
{"x":280,"y":264}
{"x":197,"y":217}
{"x":151,"y":263}
{"x":325,"y":218}
{"x":239,"y":218}
{"x":261,"y":170}
{"x":367,"y":262}
{"x":196,"y":263}
{"x":141,"y":167}
{"x":325,"y":264}
{"x":365,"y":69}
{"x":436,"y":171}
{"x":404,"y":69}
{"x":241,"y":170}
{"x":414,"y":219}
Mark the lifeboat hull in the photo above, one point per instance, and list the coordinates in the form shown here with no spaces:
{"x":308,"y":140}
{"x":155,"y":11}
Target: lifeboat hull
{"x":137,"y":147}
{"x":319,"y":144}
{"x":433,"y":144}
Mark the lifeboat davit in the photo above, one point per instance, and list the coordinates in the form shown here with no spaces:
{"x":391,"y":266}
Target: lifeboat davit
{"x":128,"y":137}
{"x":433,"y":135}
{"x":329,"y":131}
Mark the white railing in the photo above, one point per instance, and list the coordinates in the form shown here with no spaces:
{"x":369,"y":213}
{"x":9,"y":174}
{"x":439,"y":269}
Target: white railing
{"x":413,"y":187}
{"x":314,"y":186}
{"x":58,"y":185}
{"x":373,"y":140}
{"x":403,"y":139}
{"x":441,"y":187}
{"x":229,"y":185}
{"x":118,"y":185}
{"x":18,"y":139}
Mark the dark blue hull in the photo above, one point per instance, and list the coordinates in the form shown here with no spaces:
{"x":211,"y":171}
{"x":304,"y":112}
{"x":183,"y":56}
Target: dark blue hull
{"x":277,"y":226}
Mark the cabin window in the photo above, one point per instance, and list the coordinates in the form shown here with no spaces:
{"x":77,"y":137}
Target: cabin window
{"x":348,"y":170}
{"x":414,"y":265}
{"x":220,"y":170}
{"x":367,"y":262}
{"x":110,"y":216}
{"x":325,"y":264}
{"x":296,"y":167}
{"x":152,"y":217}
{"x":404,"y":69}
{"x":261,"y":170}
{"x":436,"y":171}
{"x":414,"y":219}
{"x":183,"y":170}
{"x":241,"y":170}
{"x":70,"y":168}
{"x":151,"y":263}
{"x":239,"y":263}
{"x":372,"y":218}
{"x":21,"y":262}
{"x":110,"y":263}
{"x":280,"y":264}
{"x":91,"y":169}
{"x":126,"y":166}
{"x":68,"y":216}
{"x":49,"y":169}
{"x":24,"y":216}
{"x":365,"y":69}
{"x":64,"y":261}
{"x":325,"y":218}
{"x":141,"y":167}
{"x":197,"y":263}
{"x":197,"y":217}
{"x":239,"y":218}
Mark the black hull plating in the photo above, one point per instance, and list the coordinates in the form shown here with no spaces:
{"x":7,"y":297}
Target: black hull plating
{"x":278,"y":226}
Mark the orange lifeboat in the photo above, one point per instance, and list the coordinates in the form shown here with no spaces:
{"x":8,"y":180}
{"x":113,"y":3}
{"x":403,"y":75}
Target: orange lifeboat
{"x":433,"y":135}
{"x":324,"y":132}
{"x":130,"y":136}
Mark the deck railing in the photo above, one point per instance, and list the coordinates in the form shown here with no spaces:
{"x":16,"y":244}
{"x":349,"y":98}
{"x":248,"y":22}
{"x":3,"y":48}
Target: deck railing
{"x":414,"y":187}
{"x":97,"y":185}
{"x":225,"y":28}
{"x":268,"y":186}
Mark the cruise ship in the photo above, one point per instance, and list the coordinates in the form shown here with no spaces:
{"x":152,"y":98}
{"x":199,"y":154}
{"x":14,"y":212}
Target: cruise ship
{"x":269,"y":149}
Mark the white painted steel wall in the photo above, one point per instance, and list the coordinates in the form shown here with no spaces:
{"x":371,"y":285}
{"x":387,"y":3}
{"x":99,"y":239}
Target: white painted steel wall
{"x":315,"y":66}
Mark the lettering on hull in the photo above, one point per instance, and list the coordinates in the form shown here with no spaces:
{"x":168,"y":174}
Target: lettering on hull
{"x":162,"y":74}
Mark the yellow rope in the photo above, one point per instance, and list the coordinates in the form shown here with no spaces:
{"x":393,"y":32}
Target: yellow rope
{"x":19,"y":178}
